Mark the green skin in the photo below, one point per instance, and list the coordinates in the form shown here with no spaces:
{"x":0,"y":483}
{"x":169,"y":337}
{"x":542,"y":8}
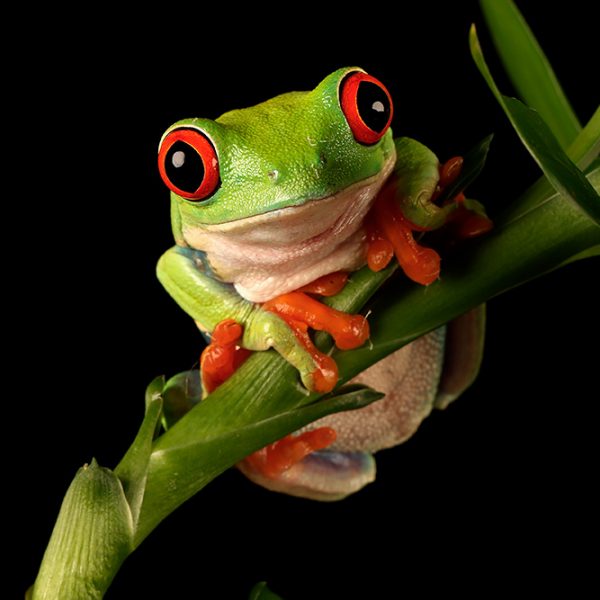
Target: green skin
{"x":289,"y":151}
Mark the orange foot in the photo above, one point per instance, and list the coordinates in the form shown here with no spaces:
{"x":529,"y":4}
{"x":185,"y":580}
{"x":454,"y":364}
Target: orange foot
{"x":464,"y":221}
{"x":390,"y":233}
{"x":272,"y":460}
{"x":222,"y":357}
{"x":300,"y":311}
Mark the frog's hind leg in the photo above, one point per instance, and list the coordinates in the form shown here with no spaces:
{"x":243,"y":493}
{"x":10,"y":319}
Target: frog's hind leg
{"x":429,"y":373}
{"x":463,"y":355}
{"x":223,"y":355}
{"x":301,"y":311}
{"x":324,"y":476}
{"x":409,"y":377}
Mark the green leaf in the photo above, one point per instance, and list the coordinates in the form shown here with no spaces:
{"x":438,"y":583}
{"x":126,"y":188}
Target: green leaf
{"x":133,"y":468}
{"x":593,"y":168}
{"x":556,"y":165}
{"x":586,"y":147}
{"x":154,"y":390}
{"x":584,"y":152}
{"x":592,"y":252}
{"x":541,"y":143}
{"x":529,"y":69}
{"x":91,"y":538}
{"x":261,"y":592}
{"x":206,"y":442}
{"x":181,"y":393}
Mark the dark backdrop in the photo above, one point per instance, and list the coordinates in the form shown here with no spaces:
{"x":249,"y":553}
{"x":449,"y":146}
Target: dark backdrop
{"x":493,"y":494}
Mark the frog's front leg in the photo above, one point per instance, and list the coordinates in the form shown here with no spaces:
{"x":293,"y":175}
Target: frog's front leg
{"x":209,"y":302}
{"x":409,"y":205}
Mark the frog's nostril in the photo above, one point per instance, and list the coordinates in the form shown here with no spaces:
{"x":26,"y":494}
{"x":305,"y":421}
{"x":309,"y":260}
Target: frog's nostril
{"x":273,"y":175}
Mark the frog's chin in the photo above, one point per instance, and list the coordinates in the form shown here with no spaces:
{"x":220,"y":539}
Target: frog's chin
{"x":279,"y":251}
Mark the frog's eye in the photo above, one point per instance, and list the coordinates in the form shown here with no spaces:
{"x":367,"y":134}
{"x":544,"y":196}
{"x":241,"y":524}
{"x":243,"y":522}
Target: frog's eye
{"x":367,"y":106}
{"x":188,"y":163}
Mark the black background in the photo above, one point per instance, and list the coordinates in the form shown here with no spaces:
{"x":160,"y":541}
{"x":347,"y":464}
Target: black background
{"x":493,"y":494}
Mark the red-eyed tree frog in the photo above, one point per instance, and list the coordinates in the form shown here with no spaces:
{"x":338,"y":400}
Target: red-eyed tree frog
{"x":273,"y":206}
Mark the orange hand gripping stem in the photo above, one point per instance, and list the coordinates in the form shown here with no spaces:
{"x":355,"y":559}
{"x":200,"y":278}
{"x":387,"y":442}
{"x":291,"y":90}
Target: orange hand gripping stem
{"x":388,"y":229}
{"x":389,"y":232}
{"x":300,"y":311}
{"x":348,"y":331}
{"x":223,"y":355}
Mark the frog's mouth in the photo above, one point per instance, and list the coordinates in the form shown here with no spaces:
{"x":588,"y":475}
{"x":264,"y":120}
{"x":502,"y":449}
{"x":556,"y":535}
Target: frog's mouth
{"x":279,"y":251}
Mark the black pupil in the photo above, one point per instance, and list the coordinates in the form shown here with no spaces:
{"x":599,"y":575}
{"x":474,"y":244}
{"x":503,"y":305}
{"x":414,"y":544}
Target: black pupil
{"x":373,"y":105}
{"x":184,"y":167}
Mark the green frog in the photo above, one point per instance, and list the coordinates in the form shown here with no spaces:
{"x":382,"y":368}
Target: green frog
{"x":275,"y":205}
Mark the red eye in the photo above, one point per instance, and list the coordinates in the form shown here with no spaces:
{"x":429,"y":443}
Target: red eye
{"x":367,"y":106}
{"x":188,"y":163}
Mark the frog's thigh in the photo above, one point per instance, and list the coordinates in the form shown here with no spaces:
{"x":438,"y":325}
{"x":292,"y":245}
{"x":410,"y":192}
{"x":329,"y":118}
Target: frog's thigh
{"x":465,"y":338}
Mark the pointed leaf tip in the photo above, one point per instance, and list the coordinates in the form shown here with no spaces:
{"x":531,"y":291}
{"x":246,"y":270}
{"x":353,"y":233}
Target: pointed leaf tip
{"x":541,"y":143}
{"x":133,"y":468}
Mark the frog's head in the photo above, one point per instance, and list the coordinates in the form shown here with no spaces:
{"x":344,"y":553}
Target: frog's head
{"x":286,"y":152}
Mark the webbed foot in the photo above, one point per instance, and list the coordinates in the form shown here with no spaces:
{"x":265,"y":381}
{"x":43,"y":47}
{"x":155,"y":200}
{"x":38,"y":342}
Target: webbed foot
{"x":420,"y":196}
{"x":301,"y":312}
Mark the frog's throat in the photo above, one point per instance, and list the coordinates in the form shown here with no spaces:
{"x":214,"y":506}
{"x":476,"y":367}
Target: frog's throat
{"x":279,"y":251}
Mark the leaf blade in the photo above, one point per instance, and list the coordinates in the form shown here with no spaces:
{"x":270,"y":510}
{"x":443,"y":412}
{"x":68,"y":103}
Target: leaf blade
{"x":529,"y":69}
{"x":181,"y":466}
{"x":541,"y":143}
{"x":586,"y":146}
{"x":261,"y":592}
{"x":132,"y":471}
